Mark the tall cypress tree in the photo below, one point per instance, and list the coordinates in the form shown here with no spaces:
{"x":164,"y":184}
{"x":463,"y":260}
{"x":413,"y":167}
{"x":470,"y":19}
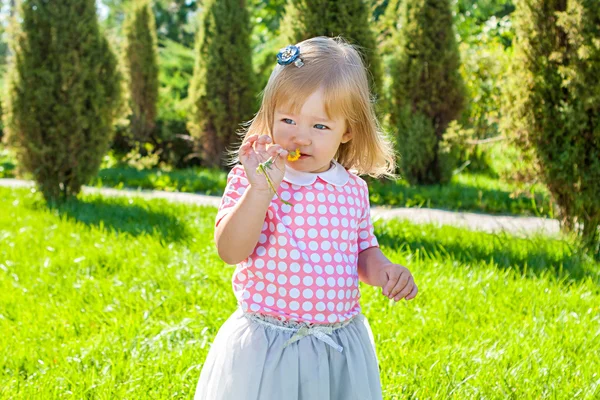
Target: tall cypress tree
{"x":304,"y":19}
{"x":141,"y":62}
{"x":64,"y":94}
{"x":427,"y":91}
{"x":553,"y":105}
{"x":222,"y":89}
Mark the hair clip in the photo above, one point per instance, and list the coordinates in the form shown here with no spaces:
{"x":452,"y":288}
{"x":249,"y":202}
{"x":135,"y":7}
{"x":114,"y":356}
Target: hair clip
{"x":290,"y":54}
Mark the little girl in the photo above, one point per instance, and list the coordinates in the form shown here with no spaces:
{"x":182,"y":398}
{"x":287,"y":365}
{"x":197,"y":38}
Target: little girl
{"x":298,"y":333}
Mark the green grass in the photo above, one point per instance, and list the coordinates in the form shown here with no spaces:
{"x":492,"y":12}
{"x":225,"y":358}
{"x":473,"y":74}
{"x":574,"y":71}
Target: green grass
{"x":190,"y":180}
{"x":466,"y":192}
{"x":7,"y":163}
{"x":114,"y":298}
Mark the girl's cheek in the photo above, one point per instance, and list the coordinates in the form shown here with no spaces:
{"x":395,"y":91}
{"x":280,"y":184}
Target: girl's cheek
{"x":281,"y":132}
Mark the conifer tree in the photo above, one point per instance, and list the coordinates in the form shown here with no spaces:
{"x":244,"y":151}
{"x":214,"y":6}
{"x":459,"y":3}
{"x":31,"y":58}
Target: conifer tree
{"x":427,"y":91}
{"x":222,"y":88}
{"x":553,"y":105}
{"x":141,"y":65}
{"x":63,"y":94}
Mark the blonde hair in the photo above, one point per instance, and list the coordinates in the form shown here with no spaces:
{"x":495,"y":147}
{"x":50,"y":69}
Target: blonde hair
{"x":337,"y":67}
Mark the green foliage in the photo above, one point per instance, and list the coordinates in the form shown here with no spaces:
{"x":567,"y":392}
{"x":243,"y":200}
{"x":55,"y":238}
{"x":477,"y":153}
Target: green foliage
{"x":417,"y":142}
{"x":553,"y":105}
{"x":140,"y":55}
{"x":1,"y":122}
{"x":64,"y":94}
{"x":222,"y":89}
{"x":483,"y":69}
{"x":480,"y":11}
{"x":426,"y":86}
{"x":265,"y":20}
{"x":7,"y":163}
{"x":350,"y":19}
{"x":172,"y":140}
{"x":172,"y":18}
{"x":189,"y":180}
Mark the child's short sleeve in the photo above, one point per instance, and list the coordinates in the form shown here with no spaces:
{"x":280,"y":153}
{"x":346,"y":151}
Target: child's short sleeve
{"x":237,"y":183}
{"x":366,"y":236}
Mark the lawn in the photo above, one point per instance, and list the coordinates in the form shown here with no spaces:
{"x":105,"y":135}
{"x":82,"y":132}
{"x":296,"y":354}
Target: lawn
{"x":115,"y":298}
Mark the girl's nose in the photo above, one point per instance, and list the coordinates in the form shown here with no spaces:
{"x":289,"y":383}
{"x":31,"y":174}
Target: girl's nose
{"x":301,"y":140}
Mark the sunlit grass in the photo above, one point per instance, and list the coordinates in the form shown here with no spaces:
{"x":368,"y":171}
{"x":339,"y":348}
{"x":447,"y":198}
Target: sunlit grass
{"x":115,"y":298}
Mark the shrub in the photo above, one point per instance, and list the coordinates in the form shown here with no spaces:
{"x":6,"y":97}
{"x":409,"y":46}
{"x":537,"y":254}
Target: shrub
{"x":64,"y":94}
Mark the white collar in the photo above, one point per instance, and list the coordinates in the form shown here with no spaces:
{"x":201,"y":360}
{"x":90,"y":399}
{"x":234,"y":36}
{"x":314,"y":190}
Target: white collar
{"x":336,"y":175}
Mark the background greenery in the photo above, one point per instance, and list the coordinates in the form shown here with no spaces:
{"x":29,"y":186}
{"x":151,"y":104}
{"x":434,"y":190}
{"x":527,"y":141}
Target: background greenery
{"x":120,"y":298}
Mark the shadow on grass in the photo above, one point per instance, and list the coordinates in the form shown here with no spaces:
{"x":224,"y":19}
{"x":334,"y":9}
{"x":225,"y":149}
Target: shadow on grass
{"x":456,"y":196}
{"x":7,"y":169}
{"x":115,"y":214}
{"x":191,"y":180}
{"x":530,"y":256}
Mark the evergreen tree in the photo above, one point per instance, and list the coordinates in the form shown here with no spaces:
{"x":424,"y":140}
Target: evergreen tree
{"x":63,"y":94}
{"x":553,"y":105}
{"x":427,"y":91}
{"x":349,"y":19}
{"x":141,"y":62}
{"x":222,"y":89}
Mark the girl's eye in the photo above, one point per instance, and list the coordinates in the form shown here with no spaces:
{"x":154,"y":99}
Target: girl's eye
{"x":291,"y":122}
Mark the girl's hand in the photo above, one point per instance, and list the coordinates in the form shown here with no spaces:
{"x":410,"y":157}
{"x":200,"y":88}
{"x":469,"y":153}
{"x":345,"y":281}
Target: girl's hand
{"x":254,"y":152}
{"x":397,"y":282}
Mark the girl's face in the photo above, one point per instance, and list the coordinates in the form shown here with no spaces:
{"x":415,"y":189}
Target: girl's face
{"x":317,"y":137}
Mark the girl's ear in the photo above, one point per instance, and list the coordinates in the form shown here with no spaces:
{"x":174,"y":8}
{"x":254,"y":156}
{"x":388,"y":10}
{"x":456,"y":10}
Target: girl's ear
{"x":346,"y":137}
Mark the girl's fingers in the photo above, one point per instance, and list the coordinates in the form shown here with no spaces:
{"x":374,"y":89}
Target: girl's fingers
{"x":261,"y":144}
{"x":400,"y":284}
{"x":405,"y":292}
{"x":249,"y":140}
{"x":413,"y":293}
{"x":276,"y":149}
{"x":388,"y":287}
{"x":244,"y":147}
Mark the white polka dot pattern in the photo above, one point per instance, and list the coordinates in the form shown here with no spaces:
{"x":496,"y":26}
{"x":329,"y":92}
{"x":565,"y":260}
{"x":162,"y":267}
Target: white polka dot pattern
{"x":304,"y":265}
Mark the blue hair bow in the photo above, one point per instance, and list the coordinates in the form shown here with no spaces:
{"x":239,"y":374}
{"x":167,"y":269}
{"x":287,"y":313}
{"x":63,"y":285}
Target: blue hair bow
{"x":290,"y":54}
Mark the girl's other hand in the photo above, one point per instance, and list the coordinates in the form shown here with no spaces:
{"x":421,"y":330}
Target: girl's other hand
{"x":397,"y":282}
{"x":253,"y":152}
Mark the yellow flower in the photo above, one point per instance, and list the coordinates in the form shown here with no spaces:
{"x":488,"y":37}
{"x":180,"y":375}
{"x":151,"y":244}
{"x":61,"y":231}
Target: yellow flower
{"x":293,"y":155}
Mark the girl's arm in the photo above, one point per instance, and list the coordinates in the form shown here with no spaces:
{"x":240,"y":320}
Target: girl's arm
{"x":237,"y":233}
{"x":370,"y":262}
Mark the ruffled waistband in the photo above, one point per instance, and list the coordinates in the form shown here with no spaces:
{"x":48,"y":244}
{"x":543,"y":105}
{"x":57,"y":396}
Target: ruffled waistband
{"x":301,"y":329}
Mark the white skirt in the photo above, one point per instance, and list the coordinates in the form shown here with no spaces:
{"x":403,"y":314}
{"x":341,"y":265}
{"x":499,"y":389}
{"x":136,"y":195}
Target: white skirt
{"x":259,"y":357}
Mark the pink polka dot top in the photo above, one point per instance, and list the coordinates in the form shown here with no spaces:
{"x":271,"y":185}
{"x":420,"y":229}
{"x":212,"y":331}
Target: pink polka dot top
{"x":304,"y":265}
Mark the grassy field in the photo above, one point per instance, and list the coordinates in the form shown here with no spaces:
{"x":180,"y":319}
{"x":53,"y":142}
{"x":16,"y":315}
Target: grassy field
{"x":114,"y":298}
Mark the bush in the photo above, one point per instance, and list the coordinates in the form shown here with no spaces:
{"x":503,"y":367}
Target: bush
{"x":553,"y":106}
{"x":64,"y":94}
{"x":426,"y":86}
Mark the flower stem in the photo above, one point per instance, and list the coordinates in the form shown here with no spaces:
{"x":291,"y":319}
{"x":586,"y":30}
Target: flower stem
{"x":262,"y":169}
